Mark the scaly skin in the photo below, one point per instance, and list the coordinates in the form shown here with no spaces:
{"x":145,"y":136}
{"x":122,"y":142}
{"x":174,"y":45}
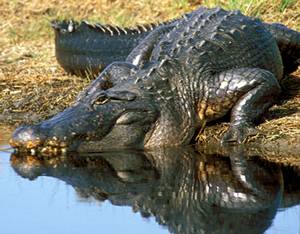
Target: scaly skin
{"x":85,"y":48}
{"x":181,"y":76}
{"x":187,"y":191}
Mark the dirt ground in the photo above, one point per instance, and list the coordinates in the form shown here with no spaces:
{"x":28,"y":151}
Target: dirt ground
{"x":33,"y":86}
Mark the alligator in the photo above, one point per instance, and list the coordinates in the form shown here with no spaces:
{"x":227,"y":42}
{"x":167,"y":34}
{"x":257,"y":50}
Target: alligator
{"x":185,"y":190}
{"x":85,"y":48}
{"x":182,"y":75}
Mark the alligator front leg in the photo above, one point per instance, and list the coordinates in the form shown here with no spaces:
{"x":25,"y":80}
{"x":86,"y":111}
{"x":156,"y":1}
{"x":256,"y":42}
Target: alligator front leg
{"x":253,"y":91}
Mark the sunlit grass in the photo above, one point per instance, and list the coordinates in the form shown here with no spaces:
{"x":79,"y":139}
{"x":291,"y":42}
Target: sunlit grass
{"x":284,"y":4}
{"x":29,"y":19}
{"x":255,"y":7}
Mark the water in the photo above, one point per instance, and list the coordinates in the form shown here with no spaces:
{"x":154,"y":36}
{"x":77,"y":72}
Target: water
{"x":183,"y":190}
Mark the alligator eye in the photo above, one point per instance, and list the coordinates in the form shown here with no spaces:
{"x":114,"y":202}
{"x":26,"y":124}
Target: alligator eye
{"x":101,"y":100}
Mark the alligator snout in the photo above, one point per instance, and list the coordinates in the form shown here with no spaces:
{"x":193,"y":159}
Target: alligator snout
{"x":26,"y":137}
{"x":32,"y":139}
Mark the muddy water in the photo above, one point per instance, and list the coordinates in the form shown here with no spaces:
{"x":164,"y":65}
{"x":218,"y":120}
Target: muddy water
{"x":134,"y":192}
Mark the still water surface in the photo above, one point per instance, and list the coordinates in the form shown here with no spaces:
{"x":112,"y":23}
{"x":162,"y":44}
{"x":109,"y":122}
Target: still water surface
{"x":98,"y":193}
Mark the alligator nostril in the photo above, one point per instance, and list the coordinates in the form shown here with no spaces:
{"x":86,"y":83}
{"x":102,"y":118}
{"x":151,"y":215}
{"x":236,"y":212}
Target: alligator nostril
{"x":25,"y":137}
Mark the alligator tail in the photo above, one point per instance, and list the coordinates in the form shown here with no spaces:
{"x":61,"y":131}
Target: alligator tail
{"x":288,"y":42}
{"x":85,"y":48}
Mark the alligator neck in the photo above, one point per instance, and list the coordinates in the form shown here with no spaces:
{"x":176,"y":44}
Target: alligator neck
{"x":176,"y":109}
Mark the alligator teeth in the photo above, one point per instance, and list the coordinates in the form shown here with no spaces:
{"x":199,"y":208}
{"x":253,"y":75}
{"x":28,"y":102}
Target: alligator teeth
{"x":52,"y":143}
{"x":32,"y":152}
{"x":32,"y":144}
{"x":63,"y":144}
{"x":44,"y":150}
{"x":47,"y":151}
{"x":63,"y":151}
{"x":55,"y":151}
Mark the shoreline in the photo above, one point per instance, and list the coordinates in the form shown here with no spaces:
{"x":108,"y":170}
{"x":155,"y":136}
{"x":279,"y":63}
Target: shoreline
{"x":279,"y":130}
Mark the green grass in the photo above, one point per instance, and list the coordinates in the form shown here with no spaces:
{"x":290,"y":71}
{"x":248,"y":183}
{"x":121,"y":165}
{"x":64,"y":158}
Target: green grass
{"x":249,"y":7}
{"x":284,"y":4}
{"x":252,"y":7}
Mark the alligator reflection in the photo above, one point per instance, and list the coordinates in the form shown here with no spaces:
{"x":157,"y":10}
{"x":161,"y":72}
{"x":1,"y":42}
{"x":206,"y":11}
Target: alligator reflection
{"x":188,"y":191}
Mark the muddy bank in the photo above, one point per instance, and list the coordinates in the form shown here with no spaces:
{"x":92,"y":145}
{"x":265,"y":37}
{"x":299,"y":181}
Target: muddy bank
{"x":284,"y":150}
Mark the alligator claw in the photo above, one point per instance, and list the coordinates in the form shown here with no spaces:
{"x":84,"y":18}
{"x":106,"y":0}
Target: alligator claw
{"x":238,"y":134}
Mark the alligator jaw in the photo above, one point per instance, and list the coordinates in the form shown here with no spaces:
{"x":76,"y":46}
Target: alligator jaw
{"x":52,"y":147}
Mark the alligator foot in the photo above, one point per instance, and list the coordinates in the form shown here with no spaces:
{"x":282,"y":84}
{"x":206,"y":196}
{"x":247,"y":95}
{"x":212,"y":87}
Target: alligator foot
{"x":253,"y":90}
{"x":239,"y":133}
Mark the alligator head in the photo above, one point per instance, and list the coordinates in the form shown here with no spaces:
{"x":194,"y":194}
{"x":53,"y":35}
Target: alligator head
{"x":110,"y":113}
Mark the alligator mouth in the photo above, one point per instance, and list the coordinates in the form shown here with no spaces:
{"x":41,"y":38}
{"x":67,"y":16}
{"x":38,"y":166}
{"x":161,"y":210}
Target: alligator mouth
{"x":50,"y":147}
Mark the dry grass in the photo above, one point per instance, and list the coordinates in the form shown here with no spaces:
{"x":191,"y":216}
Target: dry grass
{"x":33,"y":86}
